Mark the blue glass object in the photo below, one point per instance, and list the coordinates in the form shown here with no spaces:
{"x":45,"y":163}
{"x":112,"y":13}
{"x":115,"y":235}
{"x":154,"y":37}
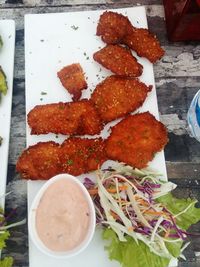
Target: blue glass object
{"x":193,"y":116}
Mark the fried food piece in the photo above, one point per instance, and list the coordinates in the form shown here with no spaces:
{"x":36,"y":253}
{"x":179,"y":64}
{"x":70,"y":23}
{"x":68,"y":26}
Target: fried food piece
{"x":65,"y":118}
{"x":117,"y":96}
{"x":136,"y":139}
{"x":116,"y":28}
{"x":79,"y":156}
{"x":40,"y":161}
{"x":75,"y":156}
{"x":113,"y":27}
{"x":145,"y":44}
{"x":72,"y":78}
{"x":119,"y":60}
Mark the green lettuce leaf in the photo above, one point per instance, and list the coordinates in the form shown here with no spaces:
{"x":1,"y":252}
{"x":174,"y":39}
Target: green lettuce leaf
{"x":184,"y":220}
{"x":174,"y":248}
{"x":3,"y":238}
{"x":6,"y":262}
{"x":176,"y":205}
{"x":129,"y":254}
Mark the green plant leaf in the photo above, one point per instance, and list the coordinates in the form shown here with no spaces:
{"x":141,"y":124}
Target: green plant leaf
{"x":176,"y":205}
{"x":129,"y":254}
{"x":3,"y":237}
{"x":6,"y":262}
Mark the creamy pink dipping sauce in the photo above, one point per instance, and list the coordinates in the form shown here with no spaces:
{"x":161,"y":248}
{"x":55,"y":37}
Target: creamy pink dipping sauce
{"x":62,"y":216}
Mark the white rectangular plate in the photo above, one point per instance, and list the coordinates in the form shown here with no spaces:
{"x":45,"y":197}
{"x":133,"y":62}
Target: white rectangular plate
{"x":7,"y":32}
{"x":53,"y":41}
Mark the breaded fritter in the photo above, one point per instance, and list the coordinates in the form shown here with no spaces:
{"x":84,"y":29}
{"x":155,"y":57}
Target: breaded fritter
{"x":82,"y":155}
{"x":116,"y":28}
{"x":119,"y":60}
{"x":75,"y":156}
{"x":40,"y":161}
{"x":117,"y":96}
{"x":65,"y":118}
{"x":145,"y":44}
{"x":113,"y":27}
{"x":72,"y":78}
{"x":136,"y":139}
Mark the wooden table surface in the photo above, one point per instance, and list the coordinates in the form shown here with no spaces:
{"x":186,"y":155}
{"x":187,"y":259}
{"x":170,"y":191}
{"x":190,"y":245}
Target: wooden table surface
{"x":177,"y":78}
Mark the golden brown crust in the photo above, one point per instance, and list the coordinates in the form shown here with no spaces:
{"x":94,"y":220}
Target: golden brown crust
{"x":72,"y":78}
{"x":112,"y":27}
{"x":82,"y":155}
{"x":115,"y":28}
{"x":136,"y":139}
{"x":119,"y":60}
{"x":40,"y":161}
{"x":117,"y":96}
{"x":47,"y":159}
{"x":145,"y":44}
{"x":65,"y":118}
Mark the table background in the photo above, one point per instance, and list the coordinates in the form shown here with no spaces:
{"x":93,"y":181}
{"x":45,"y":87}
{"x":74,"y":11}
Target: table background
{"x":177,"y":78}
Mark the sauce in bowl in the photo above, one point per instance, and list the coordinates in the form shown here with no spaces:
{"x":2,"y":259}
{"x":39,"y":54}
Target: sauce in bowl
{"x":62,"y":217}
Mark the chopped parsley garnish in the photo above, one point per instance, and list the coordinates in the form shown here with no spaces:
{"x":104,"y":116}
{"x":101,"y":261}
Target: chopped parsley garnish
{"x":61,"y":107}
{"x":80,"y":152}
{"x":43,"y":93}
{"x":70,"y":162}
{"x":91,"y":149}
{"x":74,"y":27}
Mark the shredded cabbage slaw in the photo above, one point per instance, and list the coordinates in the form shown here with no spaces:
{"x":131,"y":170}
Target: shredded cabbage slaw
{"x":126,"y":200}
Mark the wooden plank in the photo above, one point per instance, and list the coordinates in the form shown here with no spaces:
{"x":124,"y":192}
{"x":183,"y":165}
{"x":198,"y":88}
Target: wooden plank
{"x":175,"y":94}
{"x":189,"y":264}
{"x":187,"y":172}
{"x":15,"y":11}
{"x":177,"y":80}
{"x":182,"y":148}
{"x":33,"y":3}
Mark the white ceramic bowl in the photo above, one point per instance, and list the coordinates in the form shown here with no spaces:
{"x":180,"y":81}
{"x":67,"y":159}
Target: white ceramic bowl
{"x":32,"y":220}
